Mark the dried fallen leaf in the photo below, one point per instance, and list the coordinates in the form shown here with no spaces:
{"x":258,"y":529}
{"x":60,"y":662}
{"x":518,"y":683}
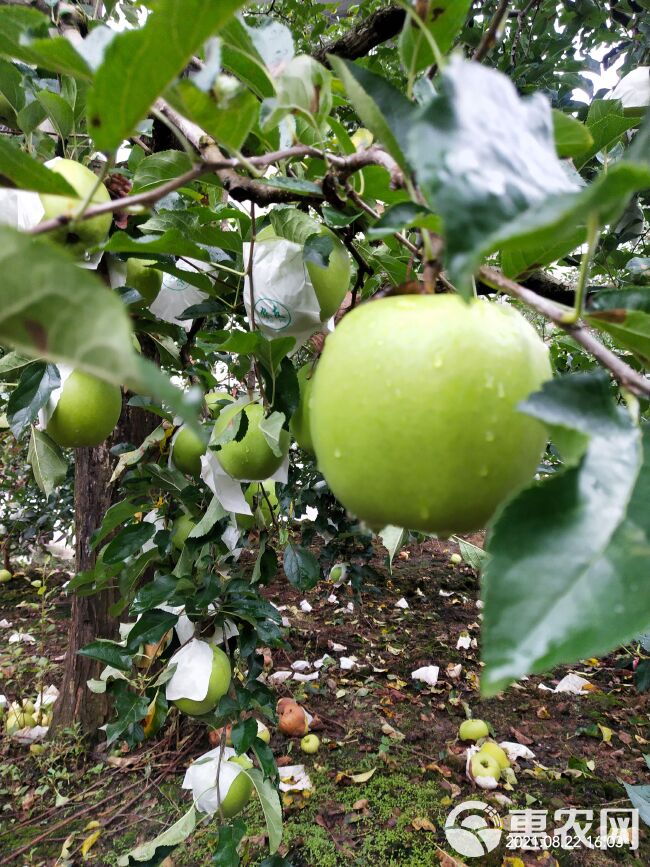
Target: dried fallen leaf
{"x":89,"y":842}
{"x":422,"y":824}
{"x":361,"y":804}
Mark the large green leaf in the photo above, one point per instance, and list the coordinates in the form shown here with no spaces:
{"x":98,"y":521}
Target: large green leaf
{"x":156,"y":850}
{"x":241,"y":57}
{"x":270,"y":801}
{"x":606,"y":122}
{"x":36,"y":384}
{"x":47,"y":462}
{"x":18,"y":169}
{"x":624,"y":314}
{"x":159,"y":168}
{"x":571,"y":137}
{"x":567,"y":574}
{"x":444,"y":20}
{"x":24,"y":35}
{"x":227,"y":119}
{"x":52,"y":309}
{"x":382,"y":108}
{"x":140,"y":64}
{"x":500,"y":185}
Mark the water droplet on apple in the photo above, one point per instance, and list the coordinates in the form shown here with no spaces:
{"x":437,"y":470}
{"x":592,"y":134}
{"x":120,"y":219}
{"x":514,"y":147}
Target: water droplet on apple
{"x":501,"y":391}
{"x":437,"y":362}
{"x":337,"y":453}
{"x":424,"y":513}
{"x":489,"y":436}
{"x":483,"y":472}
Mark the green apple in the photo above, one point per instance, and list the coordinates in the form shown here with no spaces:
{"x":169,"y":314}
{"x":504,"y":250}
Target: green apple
{"x":87,"y":411}
{"x":86,"y":233}
{"x":214,"y":401}
{"x":330,"y":283}
{"x":240,"y":791}
{"x":498,"y":754}
{"x":455,"y":559}
{"x":5,"y":575}
{"x":300,"y":420}
{"x":143,"y":278}
{"x":17,"y":720}
{"x":257,"y":501}
{"x":217,"y":687}
{"x":310,"y":744}
{"x":414,"y":412}
{"x":28,"y":707}
{"x":187,"y":450}
{"x":37,"y":749}
{"x":251,"y":457}
{"x":483,"y":765}
{"x":473,"y":730}
{"x":181,"y":529}
{"x":263,"y":733}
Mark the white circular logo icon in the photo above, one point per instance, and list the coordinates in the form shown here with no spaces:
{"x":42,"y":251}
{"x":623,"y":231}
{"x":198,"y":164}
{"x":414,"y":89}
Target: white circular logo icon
{"x":473,"y":835}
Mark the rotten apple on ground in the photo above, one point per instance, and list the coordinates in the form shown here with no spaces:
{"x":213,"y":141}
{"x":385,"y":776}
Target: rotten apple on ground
{"x":414,"y":412}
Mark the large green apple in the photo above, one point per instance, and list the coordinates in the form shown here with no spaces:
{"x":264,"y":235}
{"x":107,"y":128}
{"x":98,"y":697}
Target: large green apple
{"x":214,"y":400}
{"x":483,"y":765}
{"x":251,"y":457}
{"x":300,"y":420}
{"x":473,"y":730}
{"x":187,"y":451}
{"x":330,"y":283}
{"x":256,"y":500}
{"x":240,"y":791}
{"x":143,"y":278}
{"x":217,"y":687}
{"x":498,"y":754}
{"x":5,"y":576}
{"x":86,"y":413}
{"x":86,"y":233}
{"x":414,"y":411}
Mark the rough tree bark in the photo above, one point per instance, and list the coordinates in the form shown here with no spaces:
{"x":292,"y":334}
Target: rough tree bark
{"x":379,"y":27}
{"x":90,"y":618}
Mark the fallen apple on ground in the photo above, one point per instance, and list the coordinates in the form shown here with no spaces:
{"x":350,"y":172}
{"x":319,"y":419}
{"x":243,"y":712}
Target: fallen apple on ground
{"x":473,"y":730}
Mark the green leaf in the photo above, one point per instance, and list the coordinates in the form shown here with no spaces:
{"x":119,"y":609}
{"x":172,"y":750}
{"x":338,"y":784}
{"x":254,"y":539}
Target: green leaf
{"x":215,"y":512}
{"x":301,"y":567}
{"x":24,"y":36}
{"x":392,"y":538}
{"x":624,"y":314}
{"x":271,"y":427}
{"x":140,"y":64}
{"x":159,"y":168}
{"x":243,"y":735}
{"x":228,"y":119}
{"x":47,"y":462}
{"x":270,"y":801}
{"x":294,"y":185}
{"x":640,"y":797}
{"x":152,"y":853}
{"x":566,"y":579}
{"x":240,"y":56}
{"x":384,"y":110}
{"x":150,"y":628}
{"x":128,"y":542}
{"x":155,"y":593}
{"x":474,"y":556}
{"x":13,"y":361}
{"x":230,"y":836}
{"x":59,"y":111}
{"x":172,"y":243}
{"x":11,"y":85}
{"x":18,"y":169}
{"x":36,"y":384}
{"x":109,"y":653}
{"x":399,"y":216}
{"x":115,"y":515}
{"x":571,"y":137}
{"x":318,"y":249}
{"x":131,"y":708}
{"x":444,"y":20}
{"x":606,"y":122}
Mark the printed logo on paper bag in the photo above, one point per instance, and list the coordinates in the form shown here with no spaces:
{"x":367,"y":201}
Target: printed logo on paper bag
{"x":273,"y":314}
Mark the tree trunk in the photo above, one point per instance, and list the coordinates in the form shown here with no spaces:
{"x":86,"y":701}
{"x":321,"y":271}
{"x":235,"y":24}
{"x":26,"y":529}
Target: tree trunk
{"x":90,"y":618}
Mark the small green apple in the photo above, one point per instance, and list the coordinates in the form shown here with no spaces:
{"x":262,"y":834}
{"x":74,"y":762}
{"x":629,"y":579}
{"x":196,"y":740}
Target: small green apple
{"x":217,"y":687}
{"x":310,"y":744}
{"x":87,"y":233}
{"x":415,"y":403}
{"x":87,"y":411}
{"x":215,"y":400}
{"x":251,"y":457}
{"x":259,"y":505}
{"x":143,"y":278}
{"x":5,"y":575}
{"x":299,"y":424}
{"x":473,"y":730}
{"x":483,"y":765}
{"x":455,"y":559}
{"x":187,"y":450}
{"x":37,"y":749}
{"x":240,"y":791}
{"x":183,"y":526}
{"x":498,"y":754}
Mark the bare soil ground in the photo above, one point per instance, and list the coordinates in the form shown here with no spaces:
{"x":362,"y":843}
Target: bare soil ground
{"x":373,"y":717}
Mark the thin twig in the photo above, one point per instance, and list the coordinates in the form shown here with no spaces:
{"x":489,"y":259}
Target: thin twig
{"x":626,"y":377}
{"x":490,"y":36}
